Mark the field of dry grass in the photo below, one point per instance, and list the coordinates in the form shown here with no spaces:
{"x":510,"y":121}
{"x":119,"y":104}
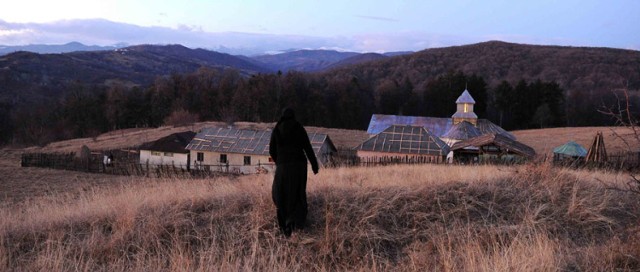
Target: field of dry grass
{"x":416,"y":217}
{"x":544,"y":140}
{"x":424,"y":217}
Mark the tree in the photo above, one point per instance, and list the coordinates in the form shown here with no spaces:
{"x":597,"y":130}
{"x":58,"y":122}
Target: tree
{"x":440,"y":94}
{"x":6,"y":124}
{"x":626,"y":113}
{"x":180,"y":117}
{"x":504,"y":99}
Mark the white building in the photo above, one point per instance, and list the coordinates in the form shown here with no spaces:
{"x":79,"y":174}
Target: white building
{"x":169,"y":150}
{"x":245,"y":151}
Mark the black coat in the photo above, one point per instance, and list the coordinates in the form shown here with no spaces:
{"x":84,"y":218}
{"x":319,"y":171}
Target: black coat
{"x":290,"y":148}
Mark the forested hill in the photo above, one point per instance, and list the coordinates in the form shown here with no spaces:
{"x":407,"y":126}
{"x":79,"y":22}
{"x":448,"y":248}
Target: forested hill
{"x":583,"y":70}
{"x":26,"y":76}
{"x":303,"y":60}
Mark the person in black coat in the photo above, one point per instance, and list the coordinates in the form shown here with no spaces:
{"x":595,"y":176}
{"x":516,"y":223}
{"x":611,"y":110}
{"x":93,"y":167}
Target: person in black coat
{"x":290,"y":148}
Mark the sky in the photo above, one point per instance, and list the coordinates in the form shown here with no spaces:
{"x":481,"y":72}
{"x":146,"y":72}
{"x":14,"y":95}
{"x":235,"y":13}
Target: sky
{"x":348,"y":25}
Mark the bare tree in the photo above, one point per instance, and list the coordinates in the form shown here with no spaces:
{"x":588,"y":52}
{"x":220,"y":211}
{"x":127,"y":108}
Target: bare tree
{"x":623,"y":114}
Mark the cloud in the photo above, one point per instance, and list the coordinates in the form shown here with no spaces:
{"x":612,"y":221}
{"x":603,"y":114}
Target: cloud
{"x":104,"y":32}
{"x":376,"y":18}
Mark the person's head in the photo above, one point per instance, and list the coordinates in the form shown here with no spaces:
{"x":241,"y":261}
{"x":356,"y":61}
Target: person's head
{"x":288,"y":113}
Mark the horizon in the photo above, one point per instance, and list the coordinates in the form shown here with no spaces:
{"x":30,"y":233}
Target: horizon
{"x":252,"y":27}
{"x":124,"y":45}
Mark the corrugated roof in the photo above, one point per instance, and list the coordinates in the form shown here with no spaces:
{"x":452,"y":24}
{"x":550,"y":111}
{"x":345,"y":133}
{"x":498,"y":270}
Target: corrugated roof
{"x":436,"y":125}
{"x":465,"y":97}
{"x":462,"y":131}
{"x":244,"y":141}
{"x":499,"y":140}
{"x":174,"y":143}
{"x":407,"y":140}
{"x":571,"y":149}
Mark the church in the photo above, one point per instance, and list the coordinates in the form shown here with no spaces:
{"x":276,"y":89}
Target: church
{"x":463,"y":137}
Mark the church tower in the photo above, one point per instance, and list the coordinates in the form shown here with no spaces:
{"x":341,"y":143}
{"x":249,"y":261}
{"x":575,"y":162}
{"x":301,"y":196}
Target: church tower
{"x":464,"y":110}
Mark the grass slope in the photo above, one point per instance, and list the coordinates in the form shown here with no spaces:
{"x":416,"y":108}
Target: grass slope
{"x":426,"y":217}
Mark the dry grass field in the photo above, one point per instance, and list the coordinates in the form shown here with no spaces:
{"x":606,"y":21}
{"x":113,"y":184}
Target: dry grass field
{"x":407,"y":218}
{"x":531,"y":217}
{"x":544,"y":140}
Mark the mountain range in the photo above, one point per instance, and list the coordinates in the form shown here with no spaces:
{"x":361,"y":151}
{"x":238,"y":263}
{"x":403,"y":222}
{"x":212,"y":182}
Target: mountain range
{"x":25,"y":75}
{"x":55,"y":48}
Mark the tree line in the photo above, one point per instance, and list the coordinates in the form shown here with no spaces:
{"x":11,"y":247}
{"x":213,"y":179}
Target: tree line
{"x":337,"y":101}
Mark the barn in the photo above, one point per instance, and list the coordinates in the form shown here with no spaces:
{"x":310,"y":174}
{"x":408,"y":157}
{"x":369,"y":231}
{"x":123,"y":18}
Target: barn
{"x":169,"y":150}
{"x":245,"y":151}
{"x":403,"y":143}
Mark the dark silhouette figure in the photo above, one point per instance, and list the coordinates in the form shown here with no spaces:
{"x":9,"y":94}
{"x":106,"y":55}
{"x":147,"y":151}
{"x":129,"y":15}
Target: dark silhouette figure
{"x":290,"y":148}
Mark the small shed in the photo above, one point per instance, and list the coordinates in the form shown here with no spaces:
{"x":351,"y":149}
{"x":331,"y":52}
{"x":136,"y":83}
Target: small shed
{"x":569,"y":152}
{"x":403,"y":142}
{"x":492,"y":147}
{"x":169,"y":150}
{"x":245,"y":151}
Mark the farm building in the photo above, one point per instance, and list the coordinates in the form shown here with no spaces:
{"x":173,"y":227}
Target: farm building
{"x":464,"y":125}
{"x":245,"y":151}
{"x":491,"y":147}
{"x":169,"y":150}
{"x":440,"y":126}
{"x":403,"y":143}
{"x":569,"y":153}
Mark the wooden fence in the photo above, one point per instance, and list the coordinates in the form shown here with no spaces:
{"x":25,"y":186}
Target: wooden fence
{"x":624,"y":161}
{"x":124,"y":163}
{"x":349,"y":158}
{"x":627,"y":161}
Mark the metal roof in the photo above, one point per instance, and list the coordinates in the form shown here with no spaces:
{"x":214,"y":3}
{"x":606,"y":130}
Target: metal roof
{"x":462,"y":131}
{"x":435,"y":125}
{"x":499,"y":140}
{"x":465,"y":97}
{"x":174,"y":143}
{"x":244,"y":141}
{"x":407,"y":140}
{"x":571,"y":149}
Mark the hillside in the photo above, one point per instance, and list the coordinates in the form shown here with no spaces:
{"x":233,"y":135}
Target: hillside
{"x":303,"y":60}
{"x":398,"y":218}
{"x":26,"y":76}
{"x":402,"y":217}
{"x":584,"y":70}
{"x":366,"y":57}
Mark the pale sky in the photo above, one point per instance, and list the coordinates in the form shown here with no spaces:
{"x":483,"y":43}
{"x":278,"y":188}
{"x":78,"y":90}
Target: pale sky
{"x":373,"y":25}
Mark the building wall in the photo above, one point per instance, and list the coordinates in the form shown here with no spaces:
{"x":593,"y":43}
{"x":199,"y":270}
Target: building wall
{"x":163,"y":158}
{"x":235,"y":162}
